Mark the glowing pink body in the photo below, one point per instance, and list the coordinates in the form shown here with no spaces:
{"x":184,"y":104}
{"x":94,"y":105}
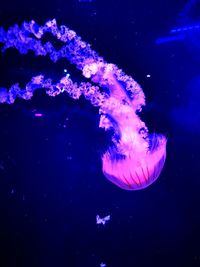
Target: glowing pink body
{"x":131,"y":164}
{"x":137,"y":171}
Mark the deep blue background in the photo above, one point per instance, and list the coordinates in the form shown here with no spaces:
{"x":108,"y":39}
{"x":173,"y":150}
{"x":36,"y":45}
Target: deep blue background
{"x":51,"y":183}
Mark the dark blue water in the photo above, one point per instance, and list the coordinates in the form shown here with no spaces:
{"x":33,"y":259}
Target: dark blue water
{"x":51,"y":182}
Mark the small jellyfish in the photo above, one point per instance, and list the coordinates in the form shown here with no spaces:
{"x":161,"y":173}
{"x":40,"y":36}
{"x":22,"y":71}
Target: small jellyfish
{"x":102,"y":220}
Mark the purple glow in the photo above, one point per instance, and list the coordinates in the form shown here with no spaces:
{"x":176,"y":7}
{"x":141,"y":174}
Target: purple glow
{"x":38,"y":114}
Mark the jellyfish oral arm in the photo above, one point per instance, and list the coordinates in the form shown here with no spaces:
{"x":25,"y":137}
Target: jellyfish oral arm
{"x":135,"y":158}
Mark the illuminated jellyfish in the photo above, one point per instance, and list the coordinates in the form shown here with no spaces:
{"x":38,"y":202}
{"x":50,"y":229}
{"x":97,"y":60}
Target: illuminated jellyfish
{"x":135,"y":158}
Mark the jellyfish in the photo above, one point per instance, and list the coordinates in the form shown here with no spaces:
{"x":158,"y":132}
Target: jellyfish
{"x":103,"y":220}
{"x":135,"y":158}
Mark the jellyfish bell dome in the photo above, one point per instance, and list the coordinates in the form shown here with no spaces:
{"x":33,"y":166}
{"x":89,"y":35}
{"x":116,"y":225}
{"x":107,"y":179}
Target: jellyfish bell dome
{"x":139,"y":168}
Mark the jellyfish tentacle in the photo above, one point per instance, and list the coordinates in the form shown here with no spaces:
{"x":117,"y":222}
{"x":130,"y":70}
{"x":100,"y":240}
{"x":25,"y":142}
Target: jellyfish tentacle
{"x":75,"y":50}
{"x":90,"y":92}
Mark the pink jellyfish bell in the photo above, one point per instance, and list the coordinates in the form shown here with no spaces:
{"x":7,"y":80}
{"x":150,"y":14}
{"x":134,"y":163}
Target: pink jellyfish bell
{"x":137,"y":169}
